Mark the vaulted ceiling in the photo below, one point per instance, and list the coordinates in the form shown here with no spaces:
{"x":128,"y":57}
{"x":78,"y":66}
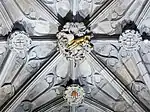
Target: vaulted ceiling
{"x":114,"y":74}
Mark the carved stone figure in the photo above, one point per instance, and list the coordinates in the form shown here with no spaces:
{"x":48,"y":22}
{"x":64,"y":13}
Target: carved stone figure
{"x":74,"y":41}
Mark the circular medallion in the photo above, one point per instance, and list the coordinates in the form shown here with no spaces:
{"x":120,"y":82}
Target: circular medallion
{"x":130,"y":40}
{"x":19,"y":40}
{"x":74,"y":94}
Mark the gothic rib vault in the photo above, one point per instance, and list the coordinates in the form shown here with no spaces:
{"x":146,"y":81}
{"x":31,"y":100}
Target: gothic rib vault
{"x":74,"y":56}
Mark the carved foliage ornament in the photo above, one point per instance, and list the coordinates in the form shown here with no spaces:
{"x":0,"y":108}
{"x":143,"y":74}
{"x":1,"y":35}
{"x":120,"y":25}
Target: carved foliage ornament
{"x":74,"y":41}
{"x":74,"y":94}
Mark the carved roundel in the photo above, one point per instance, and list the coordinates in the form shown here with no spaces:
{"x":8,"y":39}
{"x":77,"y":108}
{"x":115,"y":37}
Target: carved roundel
{"x":74,"y":94}
{"x":130,"y":40}
{"x":19,"y":40}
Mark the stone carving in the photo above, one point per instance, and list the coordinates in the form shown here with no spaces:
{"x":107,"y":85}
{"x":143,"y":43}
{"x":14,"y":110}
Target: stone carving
{"x":123,"y":106}
{"x":61,"y":7}
{"x":89,"y":7}
{"x":145,"y":27}
{"x":78,"y":29}
{"x":33,"y":17}
{"x":54,"y":80}
{"x":6,"y":92}
{"x":74,"y":41}
{"x":19,"y":40}
{"x":31,"y":13}
{"x":28,"y":62}
{"x":103,"y":91}
{"x":130,"y":40}
{"x":62,"y":67}
{"x":145,"y":54}
{"x":25,"y":106}
{"x":139,"y":89}
{"x":109,"y":53}
{"x":49,"y":78}
{"x":49,"y":86}
{"x":85,"y":69}
{"x":39,"y":27}
{"x":28,"y":9}
{"x":99,"y":80}
{"x":46,"y":88}
{"x":110,"y":21}
{"x":74,"y":94}
{"x":26,"y":66}
{"x":85,"y":7}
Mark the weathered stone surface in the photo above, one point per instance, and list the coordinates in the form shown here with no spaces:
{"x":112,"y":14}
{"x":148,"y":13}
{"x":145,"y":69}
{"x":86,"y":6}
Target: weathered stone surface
{"x":112,"y":73}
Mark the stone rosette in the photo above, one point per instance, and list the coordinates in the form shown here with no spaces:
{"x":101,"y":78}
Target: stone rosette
{"x":74,"y":94}
{"x":130,"y":40}
{"x":19,"y":40}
